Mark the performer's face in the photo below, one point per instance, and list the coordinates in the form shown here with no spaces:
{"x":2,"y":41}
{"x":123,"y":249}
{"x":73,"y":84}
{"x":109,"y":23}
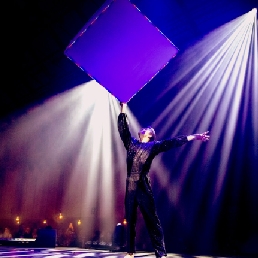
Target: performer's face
{"x":146,"y":134}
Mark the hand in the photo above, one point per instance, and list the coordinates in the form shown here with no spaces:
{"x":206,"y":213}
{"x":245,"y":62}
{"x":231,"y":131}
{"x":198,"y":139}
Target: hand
{"x":123,"y":106}
{"x":203,"y":136}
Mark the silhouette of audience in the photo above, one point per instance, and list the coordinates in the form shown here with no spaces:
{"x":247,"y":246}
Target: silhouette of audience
{"x":7,"y":233}
{"x":27,"y":233}
{"x":70,"y":236}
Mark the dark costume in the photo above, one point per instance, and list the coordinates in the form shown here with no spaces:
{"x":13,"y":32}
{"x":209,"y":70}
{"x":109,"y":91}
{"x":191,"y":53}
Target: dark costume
{"x":138,"y":188}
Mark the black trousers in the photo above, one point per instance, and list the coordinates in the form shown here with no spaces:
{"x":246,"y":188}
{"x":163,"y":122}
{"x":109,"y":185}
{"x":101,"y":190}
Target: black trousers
{"x":139,"y":194}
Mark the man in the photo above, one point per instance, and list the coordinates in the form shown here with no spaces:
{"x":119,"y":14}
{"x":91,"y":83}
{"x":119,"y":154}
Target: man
{"x":140,"y":154}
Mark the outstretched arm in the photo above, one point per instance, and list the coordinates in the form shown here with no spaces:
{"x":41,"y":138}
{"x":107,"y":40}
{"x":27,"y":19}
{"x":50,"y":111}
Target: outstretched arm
{"x":123,"y":127}
{"x":165,"y":145}
{"x":199,"y":136}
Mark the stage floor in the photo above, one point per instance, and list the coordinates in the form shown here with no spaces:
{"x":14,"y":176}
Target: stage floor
{"x":60,"y":252}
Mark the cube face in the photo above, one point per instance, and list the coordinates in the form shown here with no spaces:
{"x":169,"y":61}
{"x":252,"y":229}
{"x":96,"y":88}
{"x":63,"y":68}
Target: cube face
{"x":121,"y":49}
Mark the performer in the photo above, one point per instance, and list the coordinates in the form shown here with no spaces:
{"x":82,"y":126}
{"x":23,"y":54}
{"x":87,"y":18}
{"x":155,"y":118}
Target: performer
{"x":140,"y":154}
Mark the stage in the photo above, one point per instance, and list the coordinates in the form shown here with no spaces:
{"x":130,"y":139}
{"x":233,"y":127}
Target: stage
{"x":60,"y":252}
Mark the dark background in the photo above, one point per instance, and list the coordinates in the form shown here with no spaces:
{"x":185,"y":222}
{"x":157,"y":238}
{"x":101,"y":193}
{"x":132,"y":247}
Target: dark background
{"x":36,"y":33}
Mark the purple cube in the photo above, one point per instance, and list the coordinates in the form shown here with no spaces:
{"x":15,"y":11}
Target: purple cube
{"x":121,"y":49}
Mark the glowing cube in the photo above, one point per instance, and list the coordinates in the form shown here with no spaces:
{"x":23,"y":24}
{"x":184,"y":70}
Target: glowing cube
{"x":121,"y":49}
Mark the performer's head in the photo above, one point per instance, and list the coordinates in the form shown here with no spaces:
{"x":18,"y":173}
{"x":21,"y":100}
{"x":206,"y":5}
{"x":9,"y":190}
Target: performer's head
{"x":147,"y":134}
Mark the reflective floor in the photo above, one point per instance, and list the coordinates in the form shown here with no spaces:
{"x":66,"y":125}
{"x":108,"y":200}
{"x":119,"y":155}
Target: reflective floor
{"x":60,"y":252}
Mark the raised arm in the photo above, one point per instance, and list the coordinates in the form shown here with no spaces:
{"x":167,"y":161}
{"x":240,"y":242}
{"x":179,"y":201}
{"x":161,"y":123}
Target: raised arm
{"x":123,"y":127}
